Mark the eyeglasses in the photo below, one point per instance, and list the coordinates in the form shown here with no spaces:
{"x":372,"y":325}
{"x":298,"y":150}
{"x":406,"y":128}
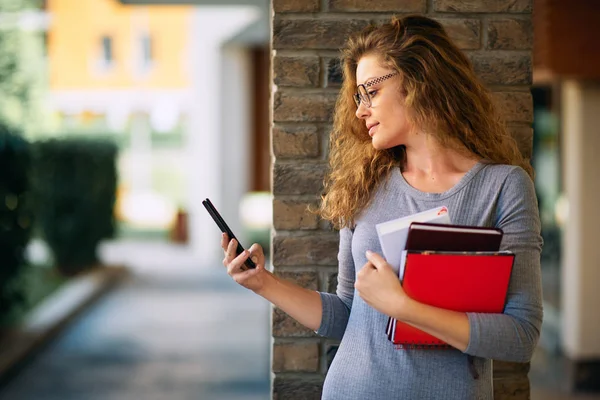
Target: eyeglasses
{"x":362,"y":95}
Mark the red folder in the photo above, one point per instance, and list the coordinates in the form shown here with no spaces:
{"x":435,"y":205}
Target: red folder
{"x":459,"y":281}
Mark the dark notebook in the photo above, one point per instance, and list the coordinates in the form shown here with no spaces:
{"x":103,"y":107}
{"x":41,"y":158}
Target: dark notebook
{"x":439,"y":237}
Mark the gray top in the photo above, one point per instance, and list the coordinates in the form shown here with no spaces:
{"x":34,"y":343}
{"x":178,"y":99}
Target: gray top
{"x":367,"y":365}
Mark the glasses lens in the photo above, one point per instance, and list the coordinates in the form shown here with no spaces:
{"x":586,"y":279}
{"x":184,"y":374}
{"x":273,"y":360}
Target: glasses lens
{"x":364,"y":95}
{"x":356,"y":99}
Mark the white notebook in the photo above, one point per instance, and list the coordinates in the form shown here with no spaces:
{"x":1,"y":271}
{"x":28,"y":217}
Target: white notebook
{"x":392,"y":234}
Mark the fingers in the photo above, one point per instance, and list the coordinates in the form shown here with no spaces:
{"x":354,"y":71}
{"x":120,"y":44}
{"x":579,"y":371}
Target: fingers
{"x":224,"y":241}
{"x":244,"y":276}
{"x":237,"y":264}
{"x":256,"y":253}
{"x":375,"y":259}
{"x":230,"y":250}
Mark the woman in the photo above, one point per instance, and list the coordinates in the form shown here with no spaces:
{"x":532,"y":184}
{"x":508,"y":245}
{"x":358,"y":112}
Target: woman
{"x":414,"y":129}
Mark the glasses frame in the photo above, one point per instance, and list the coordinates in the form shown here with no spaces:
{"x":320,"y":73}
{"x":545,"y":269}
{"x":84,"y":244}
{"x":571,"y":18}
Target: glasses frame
{"x":366,"y":97}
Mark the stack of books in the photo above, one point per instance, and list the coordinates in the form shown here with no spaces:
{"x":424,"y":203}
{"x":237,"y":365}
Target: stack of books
{"x":455,"y":267}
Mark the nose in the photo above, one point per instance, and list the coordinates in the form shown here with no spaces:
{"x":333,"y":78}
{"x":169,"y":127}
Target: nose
{"x":362,"y":111}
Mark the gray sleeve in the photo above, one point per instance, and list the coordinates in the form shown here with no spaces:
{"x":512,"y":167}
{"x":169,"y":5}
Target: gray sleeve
{"x":336,"y":307}
{"x":513,"y":335}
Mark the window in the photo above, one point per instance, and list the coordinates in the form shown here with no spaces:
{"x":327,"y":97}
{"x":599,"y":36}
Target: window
{"x":107,"y":50}
{"x":102,"y":61}
{"x":146,"y":44}
{"x":143,"y":55}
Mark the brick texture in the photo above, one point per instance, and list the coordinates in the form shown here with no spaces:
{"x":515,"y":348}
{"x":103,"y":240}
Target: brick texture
{"x":306,"y":73}
{"x":296,"y":357}
{"x":298,"y":178}
{"x":511,"y":387}
{"x":305,"y":279}
{"x":312,"y":33}
{"x":503,"y":69}
{"x":514,"y":106}
{"x":285,"y":326}
{"x":417,"y":6}
{"x":305,"y":250}
{"x":466,"y":33}
{"x":523,"y":134}
{"x":506,"y":367}
{"x":294,"y":214}
{"x":281,"y":6}
{"x":295,"y":141}
{"x":510,"y":34}
{"x":484,"y":6}
{"x":297,"y":107}
{"x":296,"y":71}
{"x":294,"y":388}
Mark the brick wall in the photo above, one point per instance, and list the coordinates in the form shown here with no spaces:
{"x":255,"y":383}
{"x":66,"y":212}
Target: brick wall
{"x":497,"y":36}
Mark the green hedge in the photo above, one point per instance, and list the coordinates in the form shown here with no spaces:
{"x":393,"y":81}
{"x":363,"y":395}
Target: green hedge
{"x":15,"y":214}
{"x":76,"y":182}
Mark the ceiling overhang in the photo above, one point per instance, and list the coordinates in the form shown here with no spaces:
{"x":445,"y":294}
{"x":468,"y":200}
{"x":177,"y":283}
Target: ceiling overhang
{"x":256,"y":34}
{"x":260,"y":3}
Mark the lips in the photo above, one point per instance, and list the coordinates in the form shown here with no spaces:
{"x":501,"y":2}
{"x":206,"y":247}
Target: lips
{"x":372,"y":128}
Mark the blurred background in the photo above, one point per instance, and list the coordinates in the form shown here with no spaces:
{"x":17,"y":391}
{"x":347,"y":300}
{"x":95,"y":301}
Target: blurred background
{"x":116,"y":121}
{"x":117,"y":118}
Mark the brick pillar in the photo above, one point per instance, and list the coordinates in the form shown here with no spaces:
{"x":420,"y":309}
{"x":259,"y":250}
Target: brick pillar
{"x":306,"y":37}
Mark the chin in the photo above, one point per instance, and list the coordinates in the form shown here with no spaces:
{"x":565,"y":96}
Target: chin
{"x":376,"y":146}
{"x":379,"y":145}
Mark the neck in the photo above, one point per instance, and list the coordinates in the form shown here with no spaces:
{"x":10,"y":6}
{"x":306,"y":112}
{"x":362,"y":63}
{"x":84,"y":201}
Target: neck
{"x":426,"y":157}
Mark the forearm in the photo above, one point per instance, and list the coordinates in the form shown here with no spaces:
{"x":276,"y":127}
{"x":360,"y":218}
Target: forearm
{"x":497,"y":336}
{"x":304,"y":305}
{"x":450,"y":326}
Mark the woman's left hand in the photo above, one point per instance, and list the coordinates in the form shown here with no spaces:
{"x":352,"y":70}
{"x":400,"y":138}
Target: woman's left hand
{"x":378,"y":285}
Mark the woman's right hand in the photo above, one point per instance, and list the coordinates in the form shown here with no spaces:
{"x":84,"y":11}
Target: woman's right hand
{"x":253,"y":279}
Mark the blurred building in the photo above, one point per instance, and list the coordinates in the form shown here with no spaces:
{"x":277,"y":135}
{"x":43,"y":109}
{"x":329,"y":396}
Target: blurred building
{"x":566,"y":94}
{"x":174,"y":86}
{"x":123,"y":73}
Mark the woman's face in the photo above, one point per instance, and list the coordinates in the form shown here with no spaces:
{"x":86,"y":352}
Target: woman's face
{"x":386,"y":119}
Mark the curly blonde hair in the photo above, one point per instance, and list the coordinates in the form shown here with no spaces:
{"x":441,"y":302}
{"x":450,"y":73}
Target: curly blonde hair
{"x":442,"y":94}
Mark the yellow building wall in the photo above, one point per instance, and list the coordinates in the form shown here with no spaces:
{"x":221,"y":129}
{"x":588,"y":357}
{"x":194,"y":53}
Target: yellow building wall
{"x":75,"y":44}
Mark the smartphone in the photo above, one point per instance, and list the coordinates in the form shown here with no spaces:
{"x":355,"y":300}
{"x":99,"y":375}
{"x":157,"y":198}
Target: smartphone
{"x":225,"y":229}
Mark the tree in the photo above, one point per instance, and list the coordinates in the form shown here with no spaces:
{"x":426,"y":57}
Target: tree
{"x":22,"y":66}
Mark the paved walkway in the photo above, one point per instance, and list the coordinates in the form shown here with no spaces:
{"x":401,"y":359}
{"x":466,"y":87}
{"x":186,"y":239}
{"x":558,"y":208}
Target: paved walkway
{"x":172,"y":331}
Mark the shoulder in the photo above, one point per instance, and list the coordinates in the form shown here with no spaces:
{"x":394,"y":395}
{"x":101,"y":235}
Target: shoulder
{"x":502,"y":178}
{"x":517,"y":199}
{"x":504,"y":171}
{"x":517,"y":182}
